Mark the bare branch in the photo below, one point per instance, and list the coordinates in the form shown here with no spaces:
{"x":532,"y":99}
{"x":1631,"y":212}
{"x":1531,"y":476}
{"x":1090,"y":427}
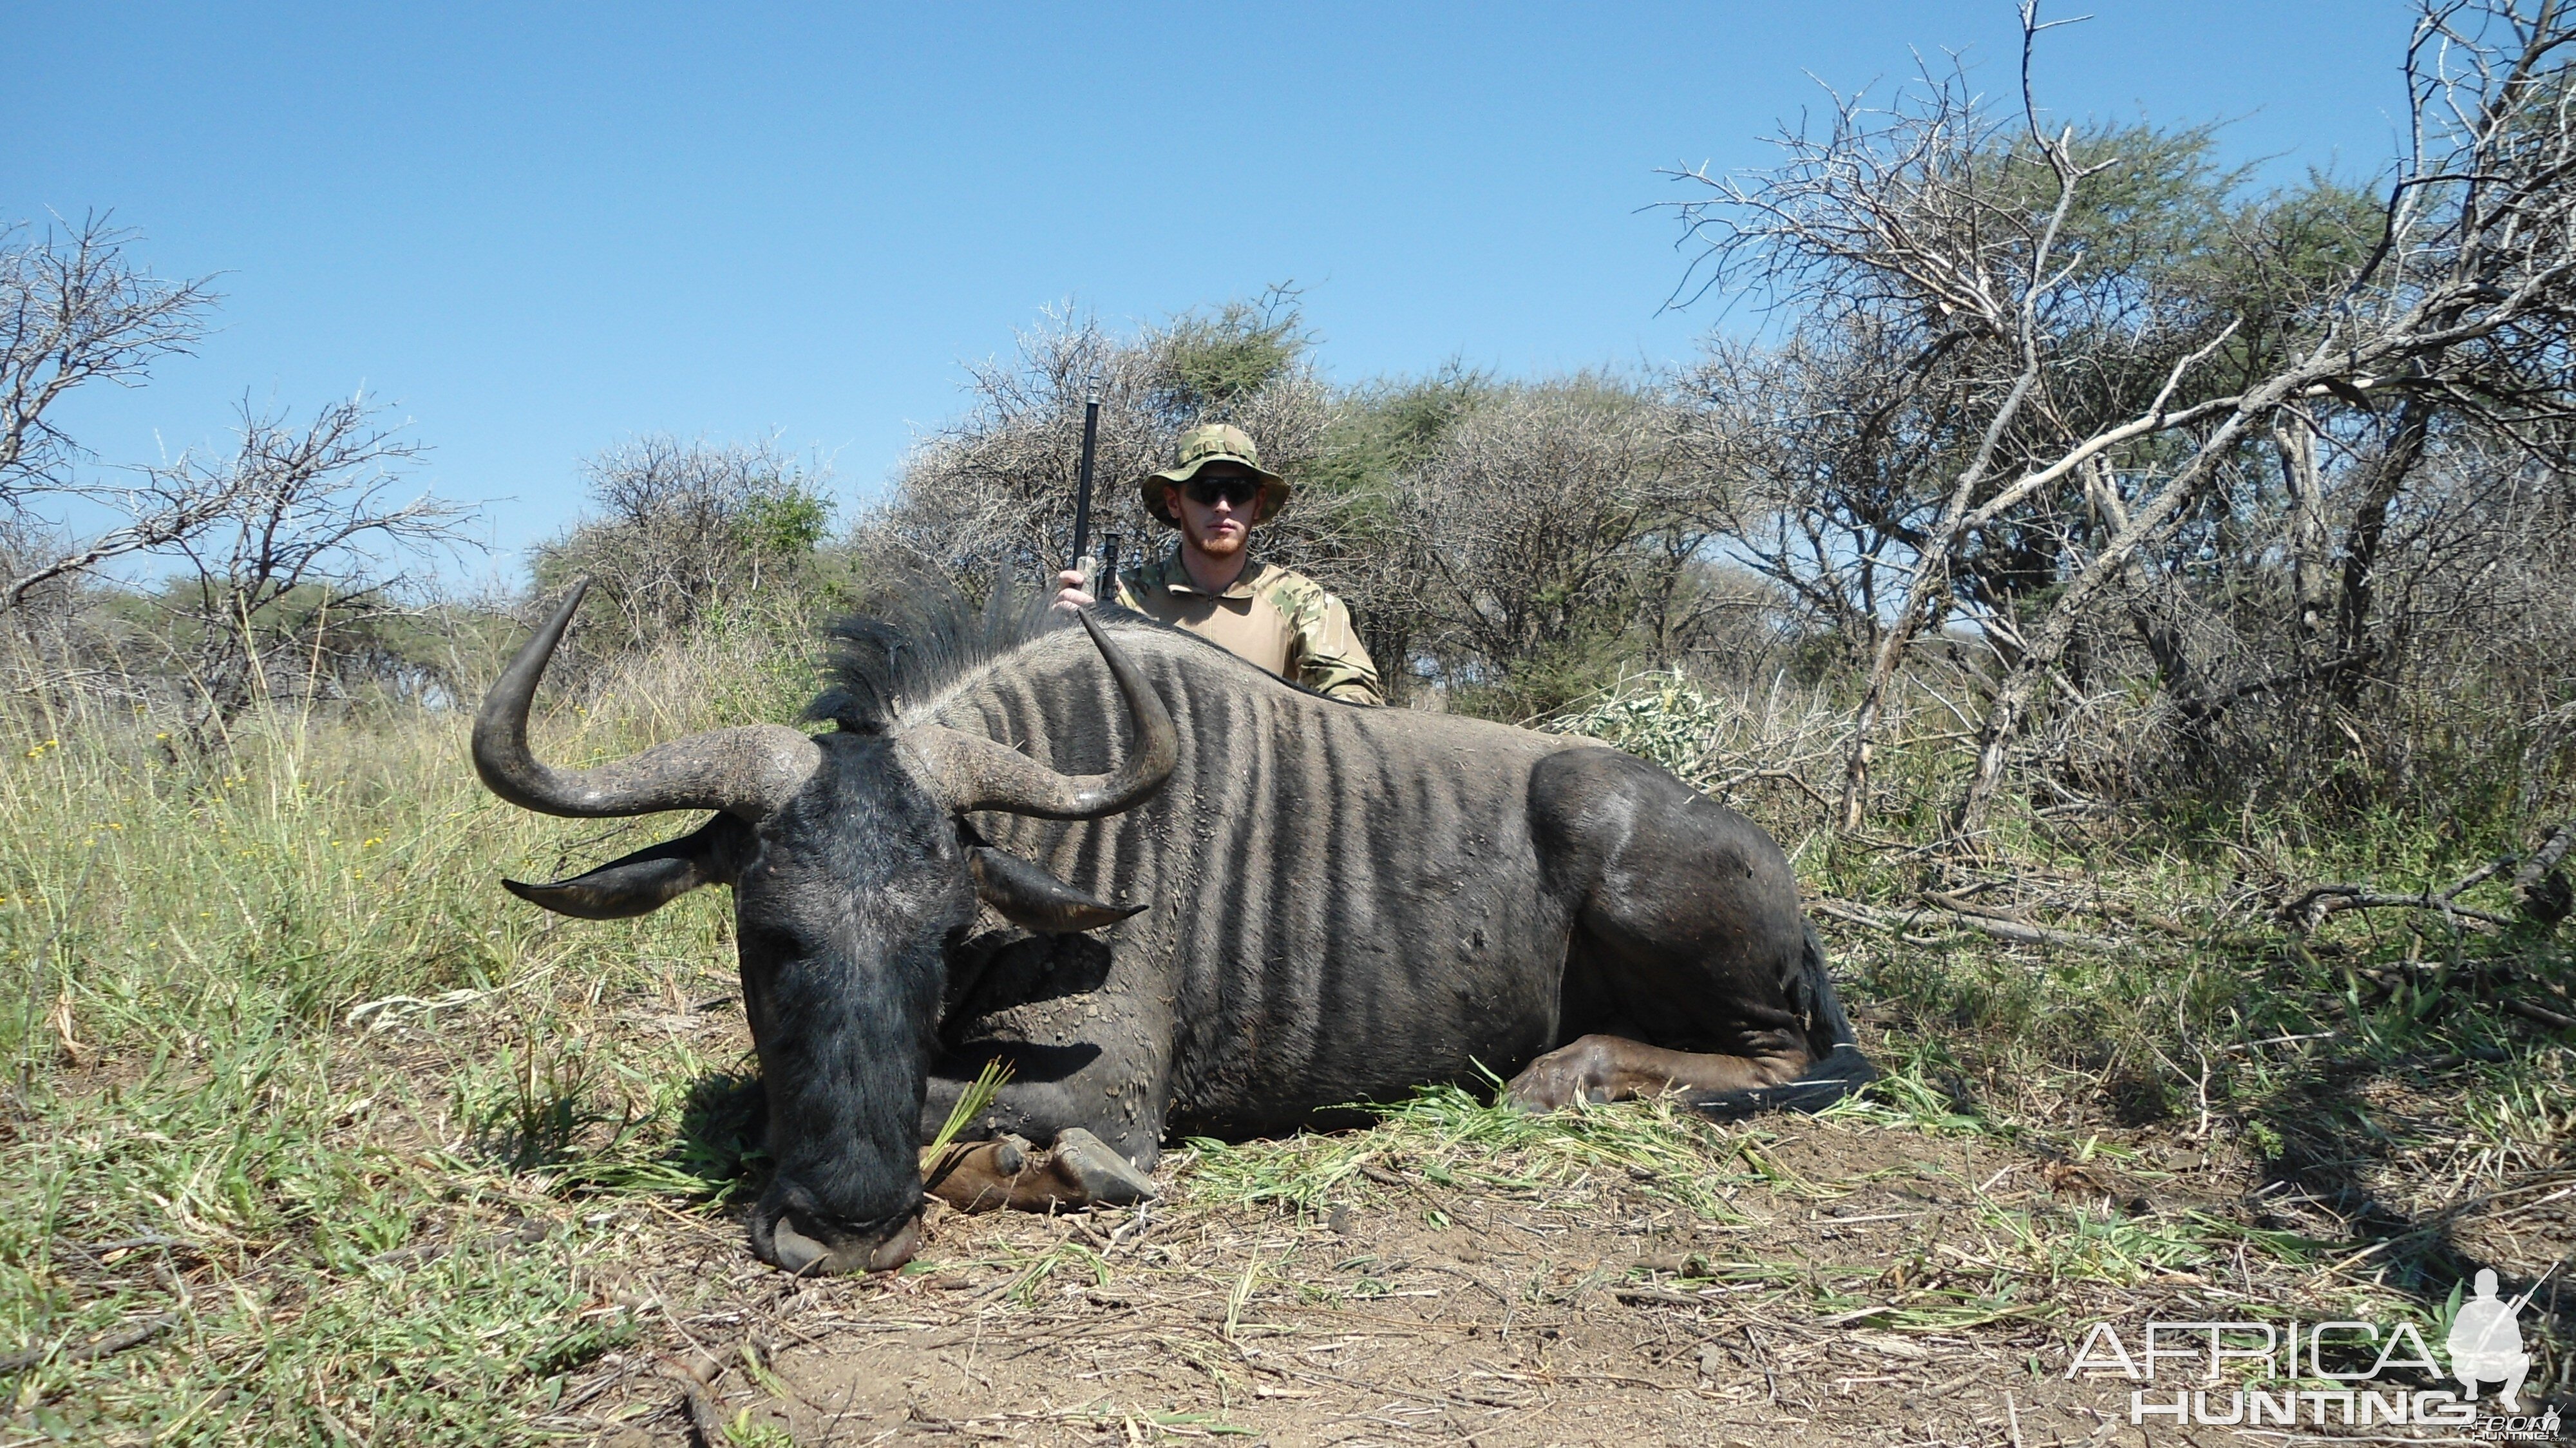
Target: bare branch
{"x":76,"y":308}
{"x":309,"y":547}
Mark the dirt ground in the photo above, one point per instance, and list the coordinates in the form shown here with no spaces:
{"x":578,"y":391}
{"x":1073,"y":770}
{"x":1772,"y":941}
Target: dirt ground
{"x":1587,"y":1314}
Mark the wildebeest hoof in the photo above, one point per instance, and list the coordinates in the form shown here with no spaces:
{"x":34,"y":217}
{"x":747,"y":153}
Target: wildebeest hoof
{"x":980,"y":1176}
{"x":1010,"y":1156}
{"x":1101,"y":1176}
{"x":806,"y":1256}
{"x":1559,"y":1079}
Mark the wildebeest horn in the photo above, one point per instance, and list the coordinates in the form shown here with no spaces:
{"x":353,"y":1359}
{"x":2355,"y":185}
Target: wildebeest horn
{"x":1026,"y":895}
{"x":714,"y":853}
{"x":971,"y":772}
{"x":746,"y":772}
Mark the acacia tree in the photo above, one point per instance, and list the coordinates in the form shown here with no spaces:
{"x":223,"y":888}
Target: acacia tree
{"x":2057,"y":423}
{"x":681,"y":528}
{"x":1559,"y":527}
{"x":293,"y":549}
{"x":1517,"y":541}
{"x":1381,"y":444}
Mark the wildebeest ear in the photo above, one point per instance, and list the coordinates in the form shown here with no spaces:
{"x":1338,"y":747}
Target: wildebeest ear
{"x":715,"y":853}
{"x":1035,"y":900}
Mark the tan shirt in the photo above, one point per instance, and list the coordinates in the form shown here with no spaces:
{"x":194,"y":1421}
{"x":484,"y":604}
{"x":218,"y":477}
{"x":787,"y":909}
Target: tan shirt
{"x":1281,"y":621}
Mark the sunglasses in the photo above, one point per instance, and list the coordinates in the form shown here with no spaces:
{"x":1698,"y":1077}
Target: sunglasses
{"x":1238,"y":491}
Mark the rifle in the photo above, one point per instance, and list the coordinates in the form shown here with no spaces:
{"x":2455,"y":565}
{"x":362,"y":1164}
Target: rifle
{"x":1083,"y":562}
{"x":2514,"y":1308}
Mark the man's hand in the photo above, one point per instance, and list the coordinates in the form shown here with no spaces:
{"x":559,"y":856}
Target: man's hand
{"x":1068,"y":593}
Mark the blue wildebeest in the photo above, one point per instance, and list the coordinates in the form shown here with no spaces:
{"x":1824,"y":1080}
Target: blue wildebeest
{"x":1330,"y":904}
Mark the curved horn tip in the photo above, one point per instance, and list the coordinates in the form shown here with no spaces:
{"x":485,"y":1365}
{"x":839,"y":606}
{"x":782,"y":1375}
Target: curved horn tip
{"x":571,"y":601}
{"x":973,"y":772}
{"x":561,"y":615}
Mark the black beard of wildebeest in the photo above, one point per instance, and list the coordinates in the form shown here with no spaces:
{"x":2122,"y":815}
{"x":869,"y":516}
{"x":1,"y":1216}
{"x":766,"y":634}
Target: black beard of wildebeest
{"x":1331,"y":904}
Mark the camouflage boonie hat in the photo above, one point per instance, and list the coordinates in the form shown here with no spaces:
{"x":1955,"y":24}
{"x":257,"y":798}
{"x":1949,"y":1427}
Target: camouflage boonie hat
{"x":1214,"y":442}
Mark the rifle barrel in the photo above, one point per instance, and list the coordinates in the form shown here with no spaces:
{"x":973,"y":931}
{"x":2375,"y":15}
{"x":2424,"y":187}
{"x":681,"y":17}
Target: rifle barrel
{"x":1082,"y":496}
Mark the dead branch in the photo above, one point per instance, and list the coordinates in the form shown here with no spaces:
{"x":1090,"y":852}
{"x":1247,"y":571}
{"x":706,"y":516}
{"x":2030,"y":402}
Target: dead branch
{"x":2540,"y":890}
{"x":76,"y":308}
{"x":705,"y":1420}
{"x":2538,"y":1015}
{"x":2312,"y":908}
{"x":1784,"y":776}
{"x":1897,"y":923}
{"x":123,"y":1338}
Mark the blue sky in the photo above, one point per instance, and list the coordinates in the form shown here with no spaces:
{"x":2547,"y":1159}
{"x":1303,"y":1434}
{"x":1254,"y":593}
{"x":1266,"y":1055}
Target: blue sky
{"x":535,"y":230}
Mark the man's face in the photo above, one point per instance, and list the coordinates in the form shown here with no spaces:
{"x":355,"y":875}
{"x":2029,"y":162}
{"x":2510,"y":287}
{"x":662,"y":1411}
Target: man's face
{"x":1216,"y":508}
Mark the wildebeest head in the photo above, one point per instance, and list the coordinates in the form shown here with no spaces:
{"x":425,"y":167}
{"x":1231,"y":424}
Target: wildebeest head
{"x":851,"y":872}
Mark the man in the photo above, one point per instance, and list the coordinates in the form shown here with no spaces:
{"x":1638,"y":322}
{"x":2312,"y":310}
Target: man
{"x":1214,"y":493}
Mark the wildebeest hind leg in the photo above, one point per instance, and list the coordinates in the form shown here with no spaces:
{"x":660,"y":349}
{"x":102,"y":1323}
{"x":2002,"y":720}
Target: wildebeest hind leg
{"x":1598,"y":1068}
{"x":1688,"y":966}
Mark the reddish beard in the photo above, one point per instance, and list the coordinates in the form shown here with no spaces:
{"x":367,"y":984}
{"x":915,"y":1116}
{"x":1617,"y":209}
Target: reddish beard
{"x":1219,"y":545}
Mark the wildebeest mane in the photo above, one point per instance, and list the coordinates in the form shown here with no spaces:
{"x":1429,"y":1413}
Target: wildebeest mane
{"x":912,"y":640}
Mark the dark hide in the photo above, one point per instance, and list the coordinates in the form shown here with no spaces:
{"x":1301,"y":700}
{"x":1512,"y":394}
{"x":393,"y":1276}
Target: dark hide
{"x":1842,"y":1070}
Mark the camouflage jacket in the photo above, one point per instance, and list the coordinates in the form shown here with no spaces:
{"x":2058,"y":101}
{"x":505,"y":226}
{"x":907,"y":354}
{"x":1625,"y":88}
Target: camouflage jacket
{"x":1284,"y":622}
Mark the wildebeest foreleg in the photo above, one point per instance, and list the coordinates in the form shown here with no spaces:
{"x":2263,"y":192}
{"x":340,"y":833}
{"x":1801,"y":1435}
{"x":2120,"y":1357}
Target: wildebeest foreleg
{"x":1600,"y":1068}
{"x":1078,"y":1171}
{"x":1097,"y":1103}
